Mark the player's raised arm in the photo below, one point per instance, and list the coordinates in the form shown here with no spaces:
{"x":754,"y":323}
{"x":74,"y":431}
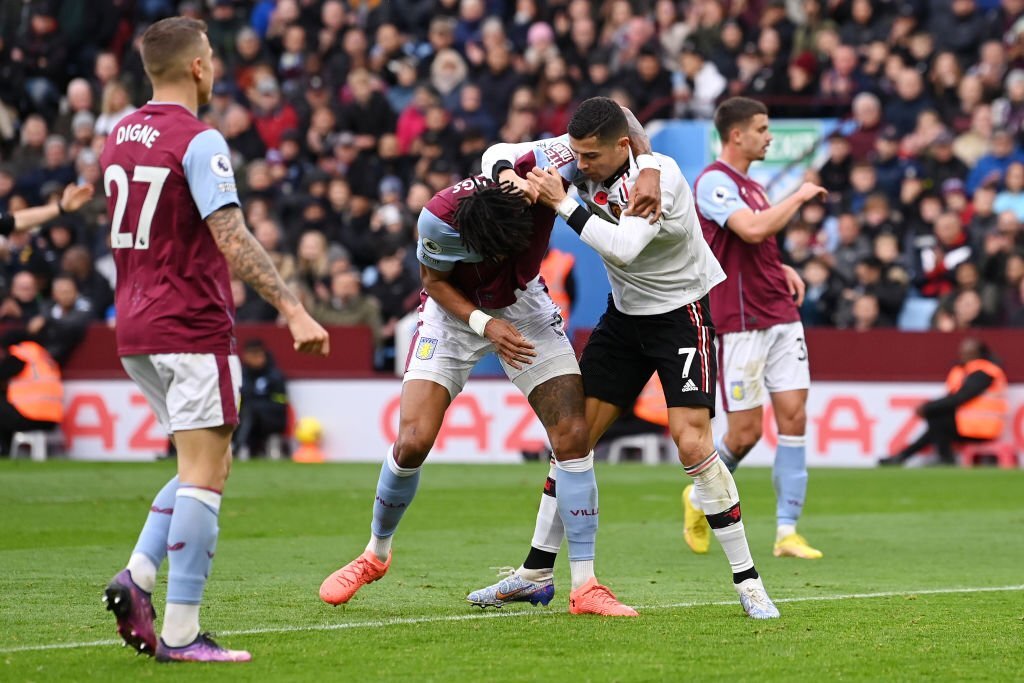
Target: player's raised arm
{"x":757,"y":227}
{"x":618,"y":244}
{"x":250,"y":263}
{"x":646,"y":199}
{"x":74,"y":197}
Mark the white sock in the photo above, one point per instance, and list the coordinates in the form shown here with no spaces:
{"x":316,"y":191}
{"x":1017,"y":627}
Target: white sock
{"x":784,"y":530}
{"x":380,"y":546}
{"x":717,"y":492}
{"x":143,"y":571}
{"x":536,"y":575}
{"x":181,"y":624}
{"x":694,"y":498}
{"x":548,"y":530}
{"x":581,"y":571}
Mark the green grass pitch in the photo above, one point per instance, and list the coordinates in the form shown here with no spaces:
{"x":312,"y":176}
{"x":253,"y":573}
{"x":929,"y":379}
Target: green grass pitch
{"x":922,"y":579}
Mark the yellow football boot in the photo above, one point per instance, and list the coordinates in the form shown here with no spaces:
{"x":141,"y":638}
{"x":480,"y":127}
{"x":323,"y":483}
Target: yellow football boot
{"x":696,"y":531}
{"x":795,"y":545}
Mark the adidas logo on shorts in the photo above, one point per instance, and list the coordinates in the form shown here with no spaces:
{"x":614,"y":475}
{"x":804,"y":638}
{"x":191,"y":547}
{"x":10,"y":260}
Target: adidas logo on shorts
{"x":689,"y":386}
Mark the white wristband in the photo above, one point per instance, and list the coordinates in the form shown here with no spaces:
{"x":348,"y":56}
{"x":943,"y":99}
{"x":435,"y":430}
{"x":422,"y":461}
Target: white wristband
{"x":566,"y":207}
{"x":645,"y":161}
{"x":478,"y":321}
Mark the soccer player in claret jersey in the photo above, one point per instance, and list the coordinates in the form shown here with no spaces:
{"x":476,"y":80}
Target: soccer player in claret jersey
{"x":658,"y":320}
{"x":176,"y":227}
{"x":761,"y":347}
{"x":480,"y":248}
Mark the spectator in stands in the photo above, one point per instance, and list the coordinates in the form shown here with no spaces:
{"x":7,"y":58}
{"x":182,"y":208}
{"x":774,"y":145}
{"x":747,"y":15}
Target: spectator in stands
{"x":115,"y":106}
{"x":974,"y":409}
{"x":939,"y":254}
{"x":272,"y":116}
{"x":23,"y":303}
{"x":991,"y":167}
{"x":940,"y":164}
{"x":911,"y":99}
{"x":1011,"y":197}
{"x":869,"y":280}
{"x":40,"y":54}
{"x":344,"y":303}
{"x":835,"y":174}
{"x":78,"y":263}
{"x":865,"y":313}
{"x":843,"y":80}
{"x":264,"y":408}
{"x":852,"y":247}
{"x":821,"y":296}
{"x":28,"y":155}
{"x":79,"y":99}
{"x":55,"y":168}
{"x":696,"y":85}
{"x":397,"y":290}
{"x":1008,"y":109}
{"x":863,"y":182}
{"x":33,"y":394}
{"x":63,"y":322}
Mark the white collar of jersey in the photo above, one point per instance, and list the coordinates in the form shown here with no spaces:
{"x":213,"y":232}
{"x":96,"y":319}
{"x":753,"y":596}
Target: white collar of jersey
{"x":618,"y":190}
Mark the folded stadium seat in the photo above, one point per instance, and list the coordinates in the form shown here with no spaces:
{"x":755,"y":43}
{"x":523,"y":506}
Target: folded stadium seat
{"x":916,"y":314}
{"x":1004,"y":452}
{"x":651,"y":446}
{"x":37,"y":442}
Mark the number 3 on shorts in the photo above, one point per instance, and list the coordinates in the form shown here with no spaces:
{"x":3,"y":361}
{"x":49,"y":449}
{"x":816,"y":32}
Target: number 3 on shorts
{"x":689,"y":353}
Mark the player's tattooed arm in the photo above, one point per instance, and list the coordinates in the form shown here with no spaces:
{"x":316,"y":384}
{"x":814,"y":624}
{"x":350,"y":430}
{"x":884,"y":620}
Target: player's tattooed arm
{"x":250,"y":263}
{"x":248,"y":260}
{"x":646,"y":199}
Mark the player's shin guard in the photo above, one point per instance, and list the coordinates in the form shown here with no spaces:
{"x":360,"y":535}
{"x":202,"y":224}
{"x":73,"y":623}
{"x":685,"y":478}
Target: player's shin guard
{"x":151,"y":548}
{"x":577,"y":506}
{"x":191,"y":543}
{"x":721,"y":504}
{"x":396,"y":488}
{"x":789,"y":475}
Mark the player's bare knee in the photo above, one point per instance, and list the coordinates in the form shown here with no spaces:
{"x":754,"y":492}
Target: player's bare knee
{"x":569,"y":439}
{"x":694,"y":445}
{"x":411,"y":448}
{"x":794,"y":423}
{"x":743,"y":440}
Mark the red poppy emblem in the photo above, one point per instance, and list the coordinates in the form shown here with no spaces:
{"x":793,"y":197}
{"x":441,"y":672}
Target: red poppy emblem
{"x":601,"y":197}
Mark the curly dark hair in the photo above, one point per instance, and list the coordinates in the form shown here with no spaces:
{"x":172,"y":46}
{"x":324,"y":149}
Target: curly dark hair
{"x":495,"y":221}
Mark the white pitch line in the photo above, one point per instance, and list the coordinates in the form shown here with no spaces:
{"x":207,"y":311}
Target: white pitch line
{"x":381,"y":623}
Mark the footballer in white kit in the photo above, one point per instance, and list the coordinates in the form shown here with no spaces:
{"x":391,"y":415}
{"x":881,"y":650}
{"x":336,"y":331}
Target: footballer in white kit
{"x":657,"y":320}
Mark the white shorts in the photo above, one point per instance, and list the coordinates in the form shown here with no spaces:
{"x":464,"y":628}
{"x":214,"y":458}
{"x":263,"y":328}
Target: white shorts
{"x":188,"y":390}
{"x":759,"y":361}
{"x":444,"y":349}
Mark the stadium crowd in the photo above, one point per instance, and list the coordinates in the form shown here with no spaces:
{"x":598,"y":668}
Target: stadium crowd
{"x":345,"y":117}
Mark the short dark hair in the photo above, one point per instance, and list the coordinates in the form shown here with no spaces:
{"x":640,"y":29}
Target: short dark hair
{"x":495,"y":221}
{"x":599,"y":117}
{"x":165,"y":42}
{"x":736,"y":111}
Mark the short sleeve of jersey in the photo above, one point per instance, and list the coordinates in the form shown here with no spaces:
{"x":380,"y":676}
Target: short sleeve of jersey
{"x":718,"y":197}
{"x":554,"y":152}
{"x":207,"y":164}
{"x":440,"y":246}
